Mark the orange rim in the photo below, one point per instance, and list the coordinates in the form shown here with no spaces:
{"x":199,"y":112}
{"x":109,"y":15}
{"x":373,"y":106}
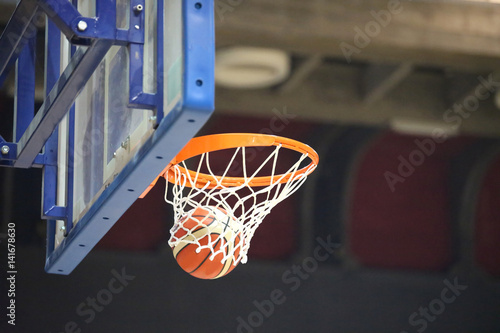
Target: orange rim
{"x":211,"y":143}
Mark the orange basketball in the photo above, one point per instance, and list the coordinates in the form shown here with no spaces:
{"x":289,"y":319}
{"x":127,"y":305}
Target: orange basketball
{"x":199,"y":234}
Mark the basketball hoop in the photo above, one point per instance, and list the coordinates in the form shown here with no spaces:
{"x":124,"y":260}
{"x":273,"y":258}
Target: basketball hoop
{"x":246,"y":198}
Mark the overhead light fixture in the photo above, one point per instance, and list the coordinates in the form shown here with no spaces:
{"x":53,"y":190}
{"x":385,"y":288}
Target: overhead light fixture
{"x":423,"y":127}
{"x":251,"y":67}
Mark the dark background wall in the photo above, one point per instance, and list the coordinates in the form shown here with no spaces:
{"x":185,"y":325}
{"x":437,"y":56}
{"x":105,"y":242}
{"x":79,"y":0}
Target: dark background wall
{"x":393,"y":254}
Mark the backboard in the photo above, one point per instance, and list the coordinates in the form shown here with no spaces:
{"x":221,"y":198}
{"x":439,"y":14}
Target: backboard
{"x":144,"y":87}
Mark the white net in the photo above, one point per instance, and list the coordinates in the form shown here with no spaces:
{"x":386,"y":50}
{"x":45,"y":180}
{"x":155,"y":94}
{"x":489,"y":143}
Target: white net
{"x":240,"y":208}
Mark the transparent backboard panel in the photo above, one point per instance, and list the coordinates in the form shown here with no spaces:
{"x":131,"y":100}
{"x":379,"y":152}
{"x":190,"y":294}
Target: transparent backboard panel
{"x":107,"y":131}
{"x":151,"y":48}
{"x":173,"y":54}
{"x":62,"y":158}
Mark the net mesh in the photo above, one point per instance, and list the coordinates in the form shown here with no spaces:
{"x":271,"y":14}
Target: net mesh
{"x":240,"y":209}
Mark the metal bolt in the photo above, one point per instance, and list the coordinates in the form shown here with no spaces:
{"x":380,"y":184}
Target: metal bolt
{"x":137,"y":27}
{"x":152,"y":118}
{"x":63,"y":228}
{"x":82,"y":26}
{"x":5,"y":150}
{"x":138,"y":8}
{"x":126,"y":144}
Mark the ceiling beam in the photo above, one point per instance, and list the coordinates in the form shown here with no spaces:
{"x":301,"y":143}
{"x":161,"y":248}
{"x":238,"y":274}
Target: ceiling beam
{"x":299,"y":74}
{"x":378,"y":80}
{"x":463,"y":35}
{"x":332,"y":95}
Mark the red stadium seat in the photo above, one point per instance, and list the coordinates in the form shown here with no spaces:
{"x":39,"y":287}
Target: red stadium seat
{"x":402,"y":218}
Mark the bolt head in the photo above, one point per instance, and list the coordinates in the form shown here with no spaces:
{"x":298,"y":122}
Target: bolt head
{"x":138,"y":8}
{"x":5,"y":150}
{"x":82,"y":26}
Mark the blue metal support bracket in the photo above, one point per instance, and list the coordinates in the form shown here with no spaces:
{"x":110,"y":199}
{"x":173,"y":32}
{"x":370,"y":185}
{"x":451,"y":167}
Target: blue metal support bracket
{"x":8,"y":152}
{"x":50,"y":209}
{"x":138,"y":98}
{"x":100,"y":35}
{"x":79,"y":29}
{"x":24,"y":106}
{"x":65,"y":16}
{"x":55,"y":212}
{"x":9,"y":155}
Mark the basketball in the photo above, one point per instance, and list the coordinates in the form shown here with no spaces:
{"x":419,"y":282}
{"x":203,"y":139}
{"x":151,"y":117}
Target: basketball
{"x":204,"y":240}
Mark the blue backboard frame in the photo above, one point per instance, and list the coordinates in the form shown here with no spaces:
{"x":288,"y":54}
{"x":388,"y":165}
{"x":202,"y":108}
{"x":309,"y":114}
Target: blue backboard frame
{"x":172,"y":132}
